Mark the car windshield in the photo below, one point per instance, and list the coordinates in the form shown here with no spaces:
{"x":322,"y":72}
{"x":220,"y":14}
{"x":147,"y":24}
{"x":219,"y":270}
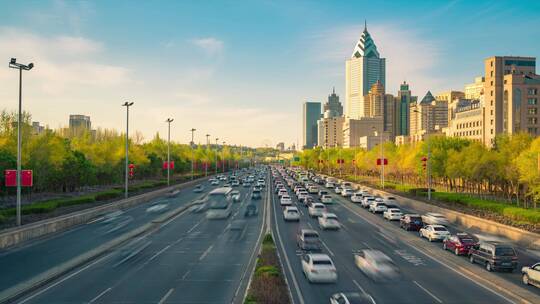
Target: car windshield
{"x":439,"y":229}
{"x":467,"y":241}
{"x":219,"y":204}
{"x":416,"y":219}
{"x":292,"y":211}
{"x":505,"y":251}
{"x":311,"y":236}
{"x":322,"y":262}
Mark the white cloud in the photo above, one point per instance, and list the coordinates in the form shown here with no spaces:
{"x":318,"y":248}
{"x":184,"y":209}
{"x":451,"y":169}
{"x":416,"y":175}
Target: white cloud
{"x":210,"y":45}
{"x":408,"y":56}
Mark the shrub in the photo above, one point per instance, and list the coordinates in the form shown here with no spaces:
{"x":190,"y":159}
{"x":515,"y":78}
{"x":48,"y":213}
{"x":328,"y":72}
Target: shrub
{"x":267,"y":270}
{"x":268,"y":240}
{"x":106,"y":195}
{"x":43,"y":207}
{"x":76,"y":201}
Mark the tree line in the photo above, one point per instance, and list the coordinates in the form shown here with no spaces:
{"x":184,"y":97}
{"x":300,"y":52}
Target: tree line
{"x":509,"y":171}
{"x":63,"y":160}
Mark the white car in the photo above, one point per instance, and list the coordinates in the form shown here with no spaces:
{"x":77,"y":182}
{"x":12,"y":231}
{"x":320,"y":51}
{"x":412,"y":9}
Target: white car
{"x":329,"y":185}
{"x":322,"y":192}
{"x":337,"y":190}
{"x":432,"y":218}
{"x":291,"y":214}
{"x":199,"y":188}
{"x":375,"y":264}
{"x":351,"y":298}
{"x":214,"y":182}
{"x":356,"y":197}
{"x":235,"y":194}
{"x":329,"y":221}
{"x":302,"y":195}
{"x":377,"y":207}
{"x":326,"y":199}
{"x":313,"y":189}
{"x":434,"y":232}
{"x":347,"y":192}
{"x":285,"y":200}
{"x":531,"y":275}
{"x":392,"y":214}
{"x":319,"y":268}
{"x":283,"y":192}
{"x":367,"y":200}
{"x":316,"y":209}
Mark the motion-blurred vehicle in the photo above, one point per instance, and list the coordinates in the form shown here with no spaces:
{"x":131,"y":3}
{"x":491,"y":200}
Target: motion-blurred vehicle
{"x":308,"y":239}
{"x":316,"y":209}
{"x":411,"y":222}
{"x":285,"y":200}
{"x":329,"y":221}
{"x":291,"y":214}
{"x":251,"y":210}
{"x":392,"y":214}
{"x":432,"y":218}
{"x":313,"y":189}
{"x":494,"y":256}
{"x":326,"y":199}
{"x":351,"y":298}
{"x":319,"y":268}
{"x":530,"y":275}
{"x":282,"y":192}
{"x":235,"y":194}
{"x":198,"y":189}
{"x":434,"y":232}
{"x":256,"y":195}
{"x":460,"y":243}
{"x":235,"y":183}
{"x":376,"y":265}
{"x":214,"y":182}
{"x":246,"y":184}
{"x":219,"y":203}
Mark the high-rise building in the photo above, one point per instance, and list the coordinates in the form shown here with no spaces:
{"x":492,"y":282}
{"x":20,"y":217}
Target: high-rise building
{"x":330,"y":129}
{"x":476,"y":89}
{"x":37,"y":128}
{"x":79,"y":124}
{"x":429,"y":115}
{"x":280,"y":146}
{"x":333,"y":105}
{"x":466,"y":119}
{"x":521,"y":94}
{"x":311,"y":114}
{"x":374,"y":101}
{"x":403,"y":102}
{"x":362,"y":70}
{"x":496,"y":68}
{"x":355,"y":129}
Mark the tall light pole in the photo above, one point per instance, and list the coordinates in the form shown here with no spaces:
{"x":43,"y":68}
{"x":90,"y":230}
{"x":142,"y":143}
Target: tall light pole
{"x":14,"y":65}
{"x":206,"y":163}
{"x":428,"y":165}
{"x":192,"y":144}
{"x":169,"y":120}
{"x":382,"y":155}
{"x":216,"y":153}
{"x":223,"y":156}
{"x":127,"y":105}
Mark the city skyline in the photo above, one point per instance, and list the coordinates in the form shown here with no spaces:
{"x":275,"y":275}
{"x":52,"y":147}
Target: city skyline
{"x":86,"y":64}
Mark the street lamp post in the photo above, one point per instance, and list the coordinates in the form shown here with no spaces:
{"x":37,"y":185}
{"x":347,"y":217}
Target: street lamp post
{"x":127,"y":105}
{"x":192,"y":144}
{"x":216,"y":154}
{"x":428,"y":165}
{"x":382,"y":155}
{"x":14,"y":65}
{"x":206,"y":162}
{"x":169,"y":120}
{"x":223,"y":156}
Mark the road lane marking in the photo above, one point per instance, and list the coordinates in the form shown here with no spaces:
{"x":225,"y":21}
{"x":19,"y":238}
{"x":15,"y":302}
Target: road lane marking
{"x":427,"y":291}
{"x":159,"y":252}
{"x":167,"y":295}
{"x":100,"y":295}
{"x":95,"y":220}
{"x":330,"y":251}
{"x":206,"y":252}
{"x":186,"y":274}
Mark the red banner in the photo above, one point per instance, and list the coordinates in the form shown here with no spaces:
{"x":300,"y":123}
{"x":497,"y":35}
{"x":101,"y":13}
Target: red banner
{"x":11,"y":178}
{"x":168,"y":164}
{"x":27,"y":178}
{"x":341,"y":161}
{"x":379,"y":161}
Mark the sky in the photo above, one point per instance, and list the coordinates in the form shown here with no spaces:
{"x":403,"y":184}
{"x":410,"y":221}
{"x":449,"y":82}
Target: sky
{"x":239,"y":70}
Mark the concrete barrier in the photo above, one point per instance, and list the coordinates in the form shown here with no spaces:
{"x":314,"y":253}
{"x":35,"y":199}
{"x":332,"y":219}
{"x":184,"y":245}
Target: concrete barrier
{"x":14,"y":236}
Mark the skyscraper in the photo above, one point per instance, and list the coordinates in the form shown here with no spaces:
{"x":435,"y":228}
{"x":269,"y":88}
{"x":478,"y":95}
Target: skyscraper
{"x":333,"y":105}
{"x":311,"y":113}
{"x":362,"y":70}
{"x":403,"y":102}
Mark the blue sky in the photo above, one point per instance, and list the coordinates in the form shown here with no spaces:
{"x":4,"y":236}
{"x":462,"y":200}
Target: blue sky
{"x":239,"y":70}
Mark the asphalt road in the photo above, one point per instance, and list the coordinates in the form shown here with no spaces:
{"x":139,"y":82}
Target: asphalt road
{"x":423,"y":279}
{"x":189,"y":259}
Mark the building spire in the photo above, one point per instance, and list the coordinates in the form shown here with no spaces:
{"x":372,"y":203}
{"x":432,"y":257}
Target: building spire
{"x":333,"y":90}
{"x":365,"y":25}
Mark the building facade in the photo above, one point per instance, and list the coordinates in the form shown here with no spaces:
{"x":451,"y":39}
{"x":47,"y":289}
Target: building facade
{"x":402,"y":110}
{"x":333,"y":105}
{"x":354,"y":129}
{"x":79,"y":122}
{"x":520,"y":103}
{"x":466,"y":119}
{"x":330,"y":130}
{"x":311,"y":114}
{"x":374,"y":101}
{"x":362,"y":70}
{"x":429,"y":115}
{"x":476,"y":89}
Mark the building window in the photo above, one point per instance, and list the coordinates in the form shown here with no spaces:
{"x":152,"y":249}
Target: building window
{"x":491,"y":131}
{"x":492,"y":82}
{"x":532,"y":101}
{"x":491,"y":63}
{"x":491,"y":112}
{"x":532,"y":120}
{"x":491,"y":72}
{"x":491,"y":93}
{"x":532,"y":111}
{"x":532,"y":91}
{"x":492,"y":122}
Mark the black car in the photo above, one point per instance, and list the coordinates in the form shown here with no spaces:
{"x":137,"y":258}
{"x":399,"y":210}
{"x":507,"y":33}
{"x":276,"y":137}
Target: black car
{"x":411,"y":222}
{"x":494,"y":256}
{"x":256,"y":194}
{"x":251,"y":210}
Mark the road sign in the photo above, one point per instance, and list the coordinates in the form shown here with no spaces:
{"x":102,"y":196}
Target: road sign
{"x":11,"y":178}
{"x":27,"y":179}
{"x":379,"y":161}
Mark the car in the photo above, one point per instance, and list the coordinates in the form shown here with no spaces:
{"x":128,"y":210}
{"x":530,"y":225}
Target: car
{"x":329,"y":221}
{"x":255,"y":194}
{"x":432,"y":218}
{"x":218,"y":203}
{"x":257,"y":188}
{"x":291,"y":214}
{"x":308,"y":201}
{"x":434,"y":232}
{"x":411,"y":222}
{"x":308,"y":239}
{"x":246,"y":184}
{"x":235,"y":183}
{"x":282,"y":192}
{"x":235,"y":194}
{"x":392,"y":214}
{"x":367,"y":200}
{"x":326,"y":199}
{"x":351,"y":298}
{"x":329,"y":185}
{"x":316,"y":209}
{"x":356,"y":197}
{"x":251,"y":210}
{"x":346,"y":185}
{"x":494,"y":256}
{"x":214,"y":182}
{"x":460,"y":243}
{"x":337,"y":190}
{"x":313,"y":189}
{"x":319,"y":268}
{"x":285,"y":200}
{"x":198,"y":189}
{"x":347,"y":192}
{"x":377,"y":207}
{"x":530,"y":275}
{"x":302,"y":195}
{"x":322,"y":192}
{"x":376,"y":265}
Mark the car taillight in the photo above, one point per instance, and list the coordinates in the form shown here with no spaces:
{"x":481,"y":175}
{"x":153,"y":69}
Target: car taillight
{"x":514,"y":258}
{"x":314,"y":271}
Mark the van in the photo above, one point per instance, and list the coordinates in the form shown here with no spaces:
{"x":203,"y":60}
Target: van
{"x":219,"y":202}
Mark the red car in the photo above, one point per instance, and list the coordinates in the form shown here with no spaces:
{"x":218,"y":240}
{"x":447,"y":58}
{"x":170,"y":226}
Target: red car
{"x":460,"y":243}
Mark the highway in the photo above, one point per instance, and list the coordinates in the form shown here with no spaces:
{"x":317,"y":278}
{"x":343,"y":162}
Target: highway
{"x":188,"y":259}
{"x":425,"y":278}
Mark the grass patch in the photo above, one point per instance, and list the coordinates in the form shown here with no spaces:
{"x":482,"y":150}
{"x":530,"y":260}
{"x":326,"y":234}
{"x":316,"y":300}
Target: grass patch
{"x":106,"y":195}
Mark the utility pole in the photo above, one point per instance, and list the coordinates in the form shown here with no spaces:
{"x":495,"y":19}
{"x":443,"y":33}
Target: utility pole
{"x":216,"y":154}
{"x":206,"y":161}
{"x":192,"y":144}
{"x":169,"y":120}
{"x":223,"y":156}
{"x":127,"y":105}
{"x":428,"y":165}
{"x":14,"y":65}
